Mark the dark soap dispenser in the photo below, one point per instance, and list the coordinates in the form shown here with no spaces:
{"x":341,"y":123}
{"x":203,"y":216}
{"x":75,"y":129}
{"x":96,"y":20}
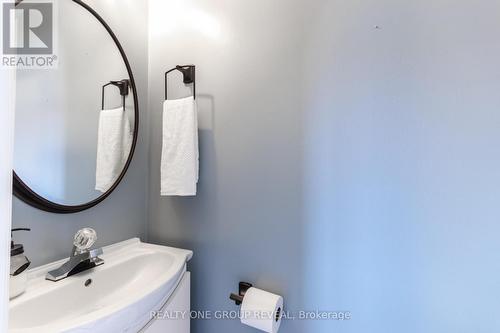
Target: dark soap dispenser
{"x":19,"y":264}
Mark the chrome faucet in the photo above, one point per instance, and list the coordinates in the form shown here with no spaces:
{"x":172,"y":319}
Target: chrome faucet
{"x":81,"y":258}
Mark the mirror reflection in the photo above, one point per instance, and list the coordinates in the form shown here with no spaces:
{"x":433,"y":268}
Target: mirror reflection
{"x":71,"y":145}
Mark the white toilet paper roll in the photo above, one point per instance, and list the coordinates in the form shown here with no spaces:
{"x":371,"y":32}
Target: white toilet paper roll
{"x":262,"y":310}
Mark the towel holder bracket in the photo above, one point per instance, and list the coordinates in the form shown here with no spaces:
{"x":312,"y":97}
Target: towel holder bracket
{"x":122,"y":85}
{"x":188,"y":75}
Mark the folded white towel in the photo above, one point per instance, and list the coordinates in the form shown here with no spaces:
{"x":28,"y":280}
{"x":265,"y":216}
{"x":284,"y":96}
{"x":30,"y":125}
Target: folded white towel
{"x":113,"y":147}
{"x":180,"y":156}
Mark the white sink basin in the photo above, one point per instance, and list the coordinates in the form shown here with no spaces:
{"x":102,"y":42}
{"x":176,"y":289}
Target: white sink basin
{"x":136,"y":278}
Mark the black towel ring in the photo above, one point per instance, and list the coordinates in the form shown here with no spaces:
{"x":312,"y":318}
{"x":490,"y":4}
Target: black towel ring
{"x":189,"y":75}
{"x":122,"y":85}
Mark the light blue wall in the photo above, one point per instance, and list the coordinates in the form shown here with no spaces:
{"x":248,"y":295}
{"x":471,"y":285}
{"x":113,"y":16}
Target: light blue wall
{"x":403,"y":165}
{"x":343,"y":166}
{"x":246,"y":222}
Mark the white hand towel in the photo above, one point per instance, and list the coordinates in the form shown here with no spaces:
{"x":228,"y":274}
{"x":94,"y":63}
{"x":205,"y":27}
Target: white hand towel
{"x":113,"y":147}
{"x":180,"y":156}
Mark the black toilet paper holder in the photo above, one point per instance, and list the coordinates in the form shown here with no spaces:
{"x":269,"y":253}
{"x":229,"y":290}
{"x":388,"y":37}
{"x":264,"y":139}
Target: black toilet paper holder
{"x":243,"y":288}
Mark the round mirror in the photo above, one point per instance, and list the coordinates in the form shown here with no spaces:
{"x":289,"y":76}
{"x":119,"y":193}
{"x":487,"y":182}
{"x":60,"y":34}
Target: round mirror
{"x":76,"y":125}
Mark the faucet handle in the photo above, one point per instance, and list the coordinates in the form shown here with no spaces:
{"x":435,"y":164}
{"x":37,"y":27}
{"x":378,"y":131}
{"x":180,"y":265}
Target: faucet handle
{"x":84,"y":239}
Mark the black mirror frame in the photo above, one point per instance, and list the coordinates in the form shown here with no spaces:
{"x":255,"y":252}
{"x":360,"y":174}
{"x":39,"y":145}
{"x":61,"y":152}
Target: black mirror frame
{"x":22,"y":191}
